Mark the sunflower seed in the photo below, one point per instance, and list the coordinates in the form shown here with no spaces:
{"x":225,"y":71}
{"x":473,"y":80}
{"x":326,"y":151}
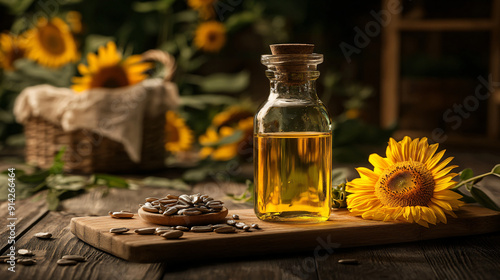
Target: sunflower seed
{"x":170,"y":211}
{"x":182,"y":228}
{"x":168,"y":201}
{"x":348,"y":261}
{"x":255,"y":226}
{"x":118,"y":230}
{"x":236,"y":217}
{"x":191,"y":212}
{"x":240,"y":225}
{"x":25,"y":252}
{"x":150,"y":209}
{"x":144,"y":231}
{"x":151,"y":199}
{"x":197,"y":199}
{"x":26,"y":261}
{"x":76,"y":258}
{"x":122,"y":215}
{"x":43,"y":235}
{"x":231,"y":222}
{"x":110,"y":213}
{"x":162,"y":230}
{"x":173,"y":234}
{"x":201,"y":228}
{"x":66,"y":262}
{"x":219,"y":226}
{"x":171,"y":196}
{"x":225,"y":229}
{"x":246,"y":228}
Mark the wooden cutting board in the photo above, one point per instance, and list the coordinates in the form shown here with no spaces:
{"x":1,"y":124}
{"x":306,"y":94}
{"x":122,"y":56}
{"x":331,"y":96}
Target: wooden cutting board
{"x":341,"y":230}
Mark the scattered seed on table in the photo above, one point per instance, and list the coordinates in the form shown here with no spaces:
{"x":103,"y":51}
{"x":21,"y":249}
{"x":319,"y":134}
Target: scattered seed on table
{"x":172,"y":234}
{"x":240,"y":225}
{"x":231,"y":222}
{"x":348,"y":261}
{"x":26,"y":261}
{"x":246,"y":228}
{"x":122,"y":215}
{"x":76,"y":258}
{"x":43,"y":235}
{"x":25,"y":252}
{"x":182,"y":228}
{"x":118,"y":230}
{"x":219,"y":226}
{"x":236,"y":217}
{"x":225,"y":229}
{"x":162,"y":230}
{"x":143,"y":231}
{"x":255,"y":226}
{"x":66,"y":262}
{"x":201,"y":228}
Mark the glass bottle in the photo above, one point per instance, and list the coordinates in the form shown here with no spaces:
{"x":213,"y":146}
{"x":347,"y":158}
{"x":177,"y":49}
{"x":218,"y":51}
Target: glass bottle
{"x":292,"y":140}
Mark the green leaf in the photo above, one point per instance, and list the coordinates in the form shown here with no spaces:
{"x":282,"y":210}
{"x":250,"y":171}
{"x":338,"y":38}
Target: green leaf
{"x":153,"y":6}
{"x":68,"y":183}
{"x":17,"y":7}
{"x":483,"y":199}
{"x":240,"y":20}
{"x":35,"y":178}
{"x":496,"y":169}
{"x":58,"y":163}
{"x":197,"y":174}
{"x":222,"y":82}
{"x":247,"y":195}
{"x":110,"y":181}
{"x":159,"y":182}
{"x":466,"y":174}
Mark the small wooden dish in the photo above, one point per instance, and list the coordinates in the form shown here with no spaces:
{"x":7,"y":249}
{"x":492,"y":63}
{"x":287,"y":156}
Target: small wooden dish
{"x":181,"y":220}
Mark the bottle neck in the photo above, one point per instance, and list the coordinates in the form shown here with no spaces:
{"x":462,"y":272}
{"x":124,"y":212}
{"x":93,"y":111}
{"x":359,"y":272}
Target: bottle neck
{"x":293,"y":85}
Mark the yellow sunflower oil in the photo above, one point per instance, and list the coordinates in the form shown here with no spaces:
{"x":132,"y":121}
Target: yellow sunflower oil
{"x":293,"y":175}
{"x":292,"y":141}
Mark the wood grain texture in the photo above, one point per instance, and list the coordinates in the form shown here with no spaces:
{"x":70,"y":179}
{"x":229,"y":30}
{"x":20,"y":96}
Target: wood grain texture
{"x":27,"y":211}
{"x":181,"y":220}
{"x":99,"y":265}
{"x":344,"y":229}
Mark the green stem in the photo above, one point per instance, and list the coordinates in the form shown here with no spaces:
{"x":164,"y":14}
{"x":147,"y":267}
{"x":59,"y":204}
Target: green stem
{"x":474,"y":179}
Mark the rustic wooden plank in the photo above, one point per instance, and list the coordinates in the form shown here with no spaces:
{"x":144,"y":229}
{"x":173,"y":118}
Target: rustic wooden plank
{"x":27,"y":212}
{"x":346,"y":230}
{"x":99,"y":265}
{"x":293,"y":267}
{"x":446,"y":258}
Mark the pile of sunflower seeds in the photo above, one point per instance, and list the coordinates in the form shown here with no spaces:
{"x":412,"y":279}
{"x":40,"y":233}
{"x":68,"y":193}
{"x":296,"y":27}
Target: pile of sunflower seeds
{"x":187,"y":205}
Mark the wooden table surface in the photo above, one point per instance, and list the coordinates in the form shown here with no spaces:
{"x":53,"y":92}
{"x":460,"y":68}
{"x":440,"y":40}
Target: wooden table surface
{"x":473,"y":257}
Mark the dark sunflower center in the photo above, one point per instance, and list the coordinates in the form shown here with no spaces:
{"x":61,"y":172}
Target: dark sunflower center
{"x":212,"y":37}
{"x":110,"y":77}
{"x":405,"y":184}
{"x":52,"y":39}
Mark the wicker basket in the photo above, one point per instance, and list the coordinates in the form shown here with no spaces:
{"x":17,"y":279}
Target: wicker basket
{"x":88,"y":152}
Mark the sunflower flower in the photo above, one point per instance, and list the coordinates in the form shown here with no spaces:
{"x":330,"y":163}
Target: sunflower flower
{"x":74,"y":20}
{"x":51,"y":43}
{"x":11,"y":49}
{"x":408,"y":185}
{"x":178,"y":136}
{"x":107,"y":69}
{"x":204,"y":7}
{"x":227,"y":151}
{"x":210,"y":36}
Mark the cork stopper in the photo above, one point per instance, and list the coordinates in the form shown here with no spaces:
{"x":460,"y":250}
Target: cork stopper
{"x":292,"y":49}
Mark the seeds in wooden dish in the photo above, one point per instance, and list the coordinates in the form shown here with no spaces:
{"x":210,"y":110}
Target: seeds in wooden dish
{"x":118,"y":230}
{"x":187,"y":205}
{"x":43,"y":235}
{"x":76,"y":258}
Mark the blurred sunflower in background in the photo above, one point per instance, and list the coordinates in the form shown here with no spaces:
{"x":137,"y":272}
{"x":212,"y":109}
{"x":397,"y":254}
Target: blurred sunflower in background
{"x":408,"y":185}
{"x":11,"y":49}
{"x":178,"y":136}
{"x":230,"y":135}
{"x":210,"y":36}
{"x":204,"y":7}
{"x":107,"y":69}
{"x":74,"y":20}
{"x":51,"y":43}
